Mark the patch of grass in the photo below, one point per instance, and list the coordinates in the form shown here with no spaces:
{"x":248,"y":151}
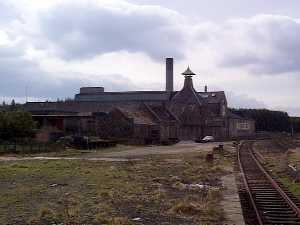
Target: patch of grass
{"x":292,"y":186}
{"x":186,"y":207}
{"x":112,"y":193}
{"x":103,"y":220}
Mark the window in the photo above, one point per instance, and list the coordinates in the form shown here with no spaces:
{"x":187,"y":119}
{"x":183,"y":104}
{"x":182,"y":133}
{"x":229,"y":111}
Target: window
{"x":243,"y":126}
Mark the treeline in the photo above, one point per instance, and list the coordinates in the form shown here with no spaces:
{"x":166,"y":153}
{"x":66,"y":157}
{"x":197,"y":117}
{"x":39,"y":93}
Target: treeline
{"x":266,"y":120}
{"x":12,"y":106}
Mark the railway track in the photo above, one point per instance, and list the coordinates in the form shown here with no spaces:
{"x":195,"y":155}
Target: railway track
{"x":264,"y":200}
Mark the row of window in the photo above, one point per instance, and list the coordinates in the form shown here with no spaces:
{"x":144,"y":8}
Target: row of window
{"x":243,"y":126}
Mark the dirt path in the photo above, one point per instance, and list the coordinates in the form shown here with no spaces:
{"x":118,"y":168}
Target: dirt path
{"x":131,"y":154}
{"x":12,"y":158}
{"x":231,"y":201}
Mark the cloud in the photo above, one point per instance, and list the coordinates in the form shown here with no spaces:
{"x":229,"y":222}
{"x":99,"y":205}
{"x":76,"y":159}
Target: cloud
{"x":54,"y":47}
{"x":19,"y":73}
{"x":243,"y":101}
{"x":264,"y":44}
{"x":292,"y":111}
{"x":84,"y":29}
{"x":8,"y":12}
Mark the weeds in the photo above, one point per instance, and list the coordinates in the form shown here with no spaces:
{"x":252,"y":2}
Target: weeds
{"x":109,"y":193}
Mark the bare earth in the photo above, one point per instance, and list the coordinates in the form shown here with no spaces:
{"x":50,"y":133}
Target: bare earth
{"x":168,"y":157}
{"x":132,"y":153}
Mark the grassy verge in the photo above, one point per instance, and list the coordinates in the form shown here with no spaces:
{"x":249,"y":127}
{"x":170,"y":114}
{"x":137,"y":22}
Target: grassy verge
{"x":154,"y":190}
{"x":291,"y":185}
{"x":277,"y":161}
{"x":69,"y":152}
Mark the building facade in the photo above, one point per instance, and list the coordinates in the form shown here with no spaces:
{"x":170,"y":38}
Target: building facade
{"x":145,"y":116}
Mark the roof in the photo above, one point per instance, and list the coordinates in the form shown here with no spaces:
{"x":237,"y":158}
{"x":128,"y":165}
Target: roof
{"x":213,"y":97}
{"x":136,"y":111}
{"x":71,"y":107}
{"x":187,"y":95}
{"x":124,"y":96}
{"x":188,"y":72}
{"x":238,"y":117}
{"x":138,"y":114}
{"x":62,"y":115}
{"x":160,"y":112}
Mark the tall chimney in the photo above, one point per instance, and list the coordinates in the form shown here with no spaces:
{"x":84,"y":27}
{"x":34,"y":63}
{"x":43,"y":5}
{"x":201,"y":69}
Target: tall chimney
{"x":169,"y":74}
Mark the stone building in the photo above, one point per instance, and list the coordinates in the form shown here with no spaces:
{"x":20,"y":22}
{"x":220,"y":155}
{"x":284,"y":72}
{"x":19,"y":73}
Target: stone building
{"x":145,"y":116}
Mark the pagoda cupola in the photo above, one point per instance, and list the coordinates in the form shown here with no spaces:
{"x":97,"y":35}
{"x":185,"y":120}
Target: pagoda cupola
{"x":188,"y":72}
{"x":188,"y":81}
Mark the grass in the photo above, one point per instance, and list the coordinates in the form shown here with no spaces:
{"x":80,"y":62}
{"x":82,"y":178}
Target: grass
{"x":277,"y":162}
{"x":293,"y":157}
{"x":292,"y":186}
{"x":112,"y":193}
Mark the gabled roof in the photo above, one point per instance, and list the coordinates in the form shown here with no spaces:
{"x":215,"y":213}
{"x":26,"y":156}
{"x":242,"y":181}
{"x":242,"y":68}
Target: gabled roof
{"x":160,"y":112}
{"x":138,"y":114}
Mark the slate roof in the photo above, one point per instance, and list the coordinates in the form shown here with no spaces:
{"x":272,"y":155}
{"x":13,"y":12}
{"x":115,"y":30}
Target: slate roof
{"x":187,"y":95}
{"x":213,"y":97}
{"x":161,"y":112}
{"x":136,"y":111}
{"x":138,"y":114}
{"x":235,"y":116}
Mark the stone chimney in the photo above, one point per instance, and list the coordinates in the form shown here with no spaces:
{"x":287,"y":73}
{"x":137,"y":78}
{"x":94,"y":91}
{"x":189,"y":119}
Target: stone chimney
{"x":169,"y":74}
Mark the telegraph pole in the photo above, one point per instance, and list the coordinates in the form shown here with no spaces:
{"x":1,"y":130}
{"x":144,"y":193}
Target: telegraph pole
{"x":26,"y":93}
{"x":292,"y":128}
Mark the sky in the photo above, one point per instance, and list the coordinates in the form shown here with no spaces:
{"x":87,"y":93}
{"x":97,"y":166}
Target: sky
{"x":248,"y":48}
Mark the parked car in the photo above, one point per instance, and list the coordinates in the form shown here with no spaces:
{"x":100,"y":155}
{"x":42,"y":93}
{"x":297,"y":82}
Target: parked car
{"x":205,"y":139}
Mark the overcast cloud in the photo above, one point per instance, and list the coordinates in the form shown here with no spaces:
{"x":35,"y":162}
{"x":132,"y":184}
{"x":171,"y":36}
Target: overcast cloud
{"x":265,"y":44}
{"x":98,"y":29}
{"x":54,"y":47}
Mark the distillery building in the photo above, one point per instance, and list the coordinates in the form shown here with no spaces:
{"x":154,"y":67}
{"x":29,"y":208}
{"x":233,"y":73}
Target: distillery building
{"x":145,"y":116}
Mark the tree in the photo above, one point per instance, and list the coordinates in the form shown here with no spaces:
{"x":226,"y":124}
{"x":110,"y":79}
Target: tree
{"x":12,"y":105}
{"x":16,"y":124}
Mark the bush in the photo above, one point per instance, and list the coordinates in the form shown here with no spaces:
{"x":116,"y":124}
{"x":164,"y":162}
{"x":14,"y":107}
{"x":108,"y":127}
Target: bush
{"x":16,"y":124}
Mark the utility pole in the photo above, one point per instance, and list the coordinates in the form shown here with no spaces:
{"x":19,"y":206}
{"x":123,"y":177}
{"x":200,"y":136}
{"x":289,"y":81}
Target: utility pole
{"x":292,"y":128}
{"x":26,"y":93}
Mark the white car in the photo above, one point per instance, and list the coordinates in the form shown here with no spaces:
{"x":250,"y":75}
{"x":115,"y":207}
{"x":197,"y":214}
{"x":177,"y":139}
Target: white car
{"x":208,"y":139}
{"x":205,"y":139}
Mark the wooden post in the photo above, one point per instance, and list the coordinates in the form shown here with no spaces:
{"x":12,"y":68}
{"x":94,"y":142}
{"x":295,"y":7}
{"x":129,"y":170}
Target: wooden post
{"x":209,"y":157}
